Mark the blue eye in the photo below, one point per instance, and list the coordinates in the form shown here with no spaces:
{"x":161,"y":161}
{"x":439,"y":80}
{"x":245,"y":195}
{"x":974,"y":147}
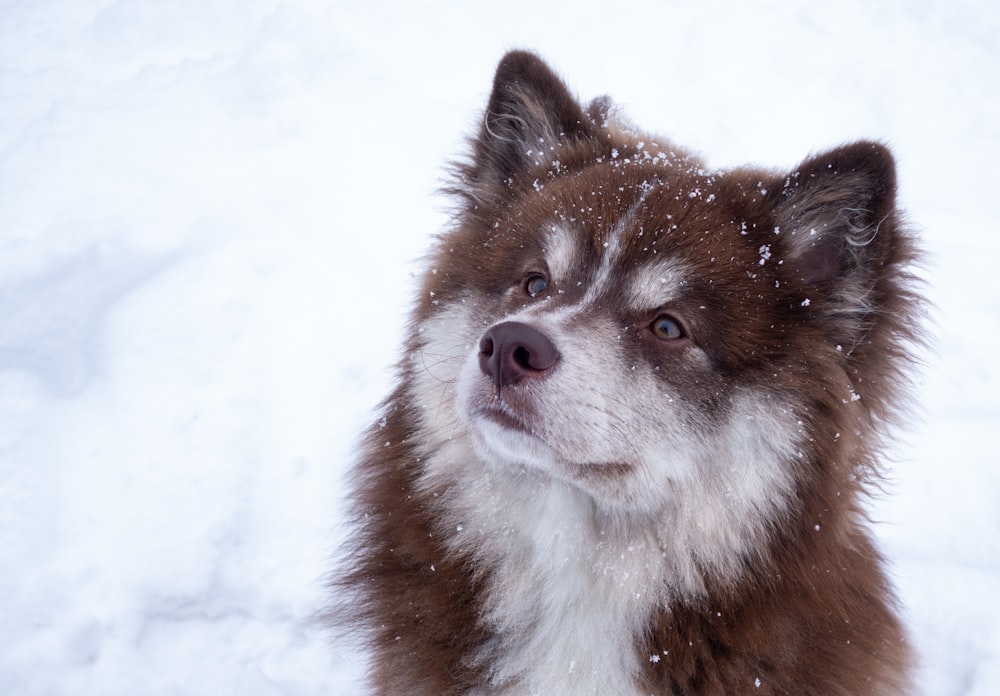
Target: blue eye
{"x":535,"y":283}
{"x":666,"y":328}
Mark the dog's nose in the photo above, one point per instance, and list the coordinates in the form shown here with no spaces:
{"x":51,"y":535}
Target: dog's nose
{"x":511,"y":351}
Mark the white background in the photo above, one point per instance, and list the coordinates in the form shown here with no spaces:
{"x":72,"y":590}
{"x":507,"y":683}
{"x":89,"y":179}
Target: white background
{"x":211,"y":214}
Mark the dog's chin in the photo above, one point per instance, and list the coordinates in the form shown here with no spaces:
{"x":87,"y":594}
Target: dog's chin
{"x":505,"y":438}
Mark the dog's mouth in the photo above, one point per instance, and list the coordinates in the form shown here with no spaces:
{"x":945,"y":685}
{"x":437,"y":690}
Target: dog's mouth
{"x":506,"y":430}
{"x":510,"y":430}
{"x":502,"y":415}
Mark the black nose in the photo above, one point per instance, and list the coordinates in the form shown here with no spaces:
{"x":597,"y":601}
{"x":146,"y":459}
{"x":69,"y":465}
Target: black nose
{"x":511,"y":351}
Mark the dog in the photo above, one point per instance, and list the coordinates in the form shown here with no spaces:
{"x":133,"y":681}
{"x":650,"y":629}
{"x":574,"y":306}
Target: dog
{"x":640,"y":405}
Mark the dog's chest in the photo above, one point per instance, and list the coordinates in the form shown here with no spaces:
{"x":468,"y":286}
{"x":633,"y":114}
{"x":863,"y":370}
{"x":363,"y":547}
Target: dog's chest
{"x":566,"y":601}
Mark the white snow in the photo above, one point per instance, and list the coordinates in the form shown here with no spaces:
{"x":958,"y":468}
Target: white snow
{"x":209,"y":216}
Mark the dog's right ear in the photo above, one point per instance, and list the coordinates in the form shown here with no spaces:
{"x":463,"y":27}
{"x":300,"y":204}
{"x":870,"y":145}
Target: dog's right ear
{"x":530,"y":113}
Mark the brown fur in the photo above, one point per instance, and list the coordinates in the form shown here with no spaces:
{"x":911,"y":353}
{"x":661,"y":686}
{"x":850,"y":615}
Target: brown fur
{"x":813,"y":612}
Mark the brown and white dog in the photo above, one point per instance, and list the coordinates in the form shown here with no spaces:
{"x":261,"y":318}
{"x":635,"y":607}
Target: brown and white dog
{"x":639,"y":405}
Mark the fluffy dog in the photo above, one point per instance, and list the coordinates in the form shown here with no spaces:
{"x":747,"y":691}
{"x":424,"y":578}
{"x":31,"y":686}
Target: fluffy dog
{"x":639,"y":404}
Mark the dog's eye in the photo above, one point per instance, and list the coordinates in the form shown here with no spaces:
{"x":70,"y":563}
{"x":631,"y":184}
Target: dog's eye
{"x":535,"y":283}
{"x":666,"y":328}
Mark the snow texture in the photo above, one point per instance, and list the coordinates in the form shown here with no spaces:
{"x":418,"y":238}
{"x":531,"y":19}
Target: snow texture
{"x":209,"y":216}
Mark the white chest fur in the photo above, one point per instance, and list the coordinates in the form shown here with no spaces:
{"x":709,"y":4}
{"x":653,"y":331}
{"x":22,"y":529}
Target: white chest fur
{"x":568,"y":592}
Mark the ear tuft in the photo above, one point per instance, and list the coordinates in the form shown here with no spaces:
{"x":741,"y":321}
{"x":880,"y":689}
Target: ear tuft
{"x":530,"y":112}
{"x":832,"y":209}
{"x":845,"y":246}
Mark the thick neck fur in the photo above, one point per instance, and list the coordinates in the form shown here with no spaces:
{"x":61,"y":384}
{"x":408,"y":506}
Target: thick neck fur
{"x":471,"y":590}
{"x":567,"y":588}
{"x":490,"y":579}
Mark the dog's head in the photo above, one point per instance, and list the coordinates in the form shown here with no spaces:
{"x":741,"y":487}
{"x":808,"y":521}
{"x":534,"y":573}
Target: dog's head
{"x":610,"y":312}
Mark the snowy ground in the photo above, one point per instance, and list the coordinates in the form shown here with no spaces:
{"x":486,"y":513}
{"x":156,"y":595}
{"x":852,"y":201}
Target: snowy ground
{"x":209,"y":216}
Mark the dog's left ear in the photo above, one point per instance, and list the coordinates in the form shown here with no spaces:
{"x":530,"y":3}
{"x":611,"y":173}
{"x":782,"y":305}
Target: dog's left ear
{"x":836,"y":218}
{"x":530,"y":112}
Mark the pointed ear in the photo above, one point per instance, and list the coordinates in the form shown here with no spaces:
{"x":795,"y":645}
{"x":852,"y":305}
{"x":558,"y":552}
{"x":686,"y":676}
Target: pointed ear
{"x":836,"y":216}
{"x":530,"y":112}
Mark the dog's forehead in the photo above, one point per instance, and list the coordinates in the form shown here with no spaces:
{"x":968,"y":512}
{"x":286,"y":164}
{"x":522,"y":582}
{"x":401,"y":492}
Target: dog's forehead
{"x":638,"y":206}
{"x":642,"y":233}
